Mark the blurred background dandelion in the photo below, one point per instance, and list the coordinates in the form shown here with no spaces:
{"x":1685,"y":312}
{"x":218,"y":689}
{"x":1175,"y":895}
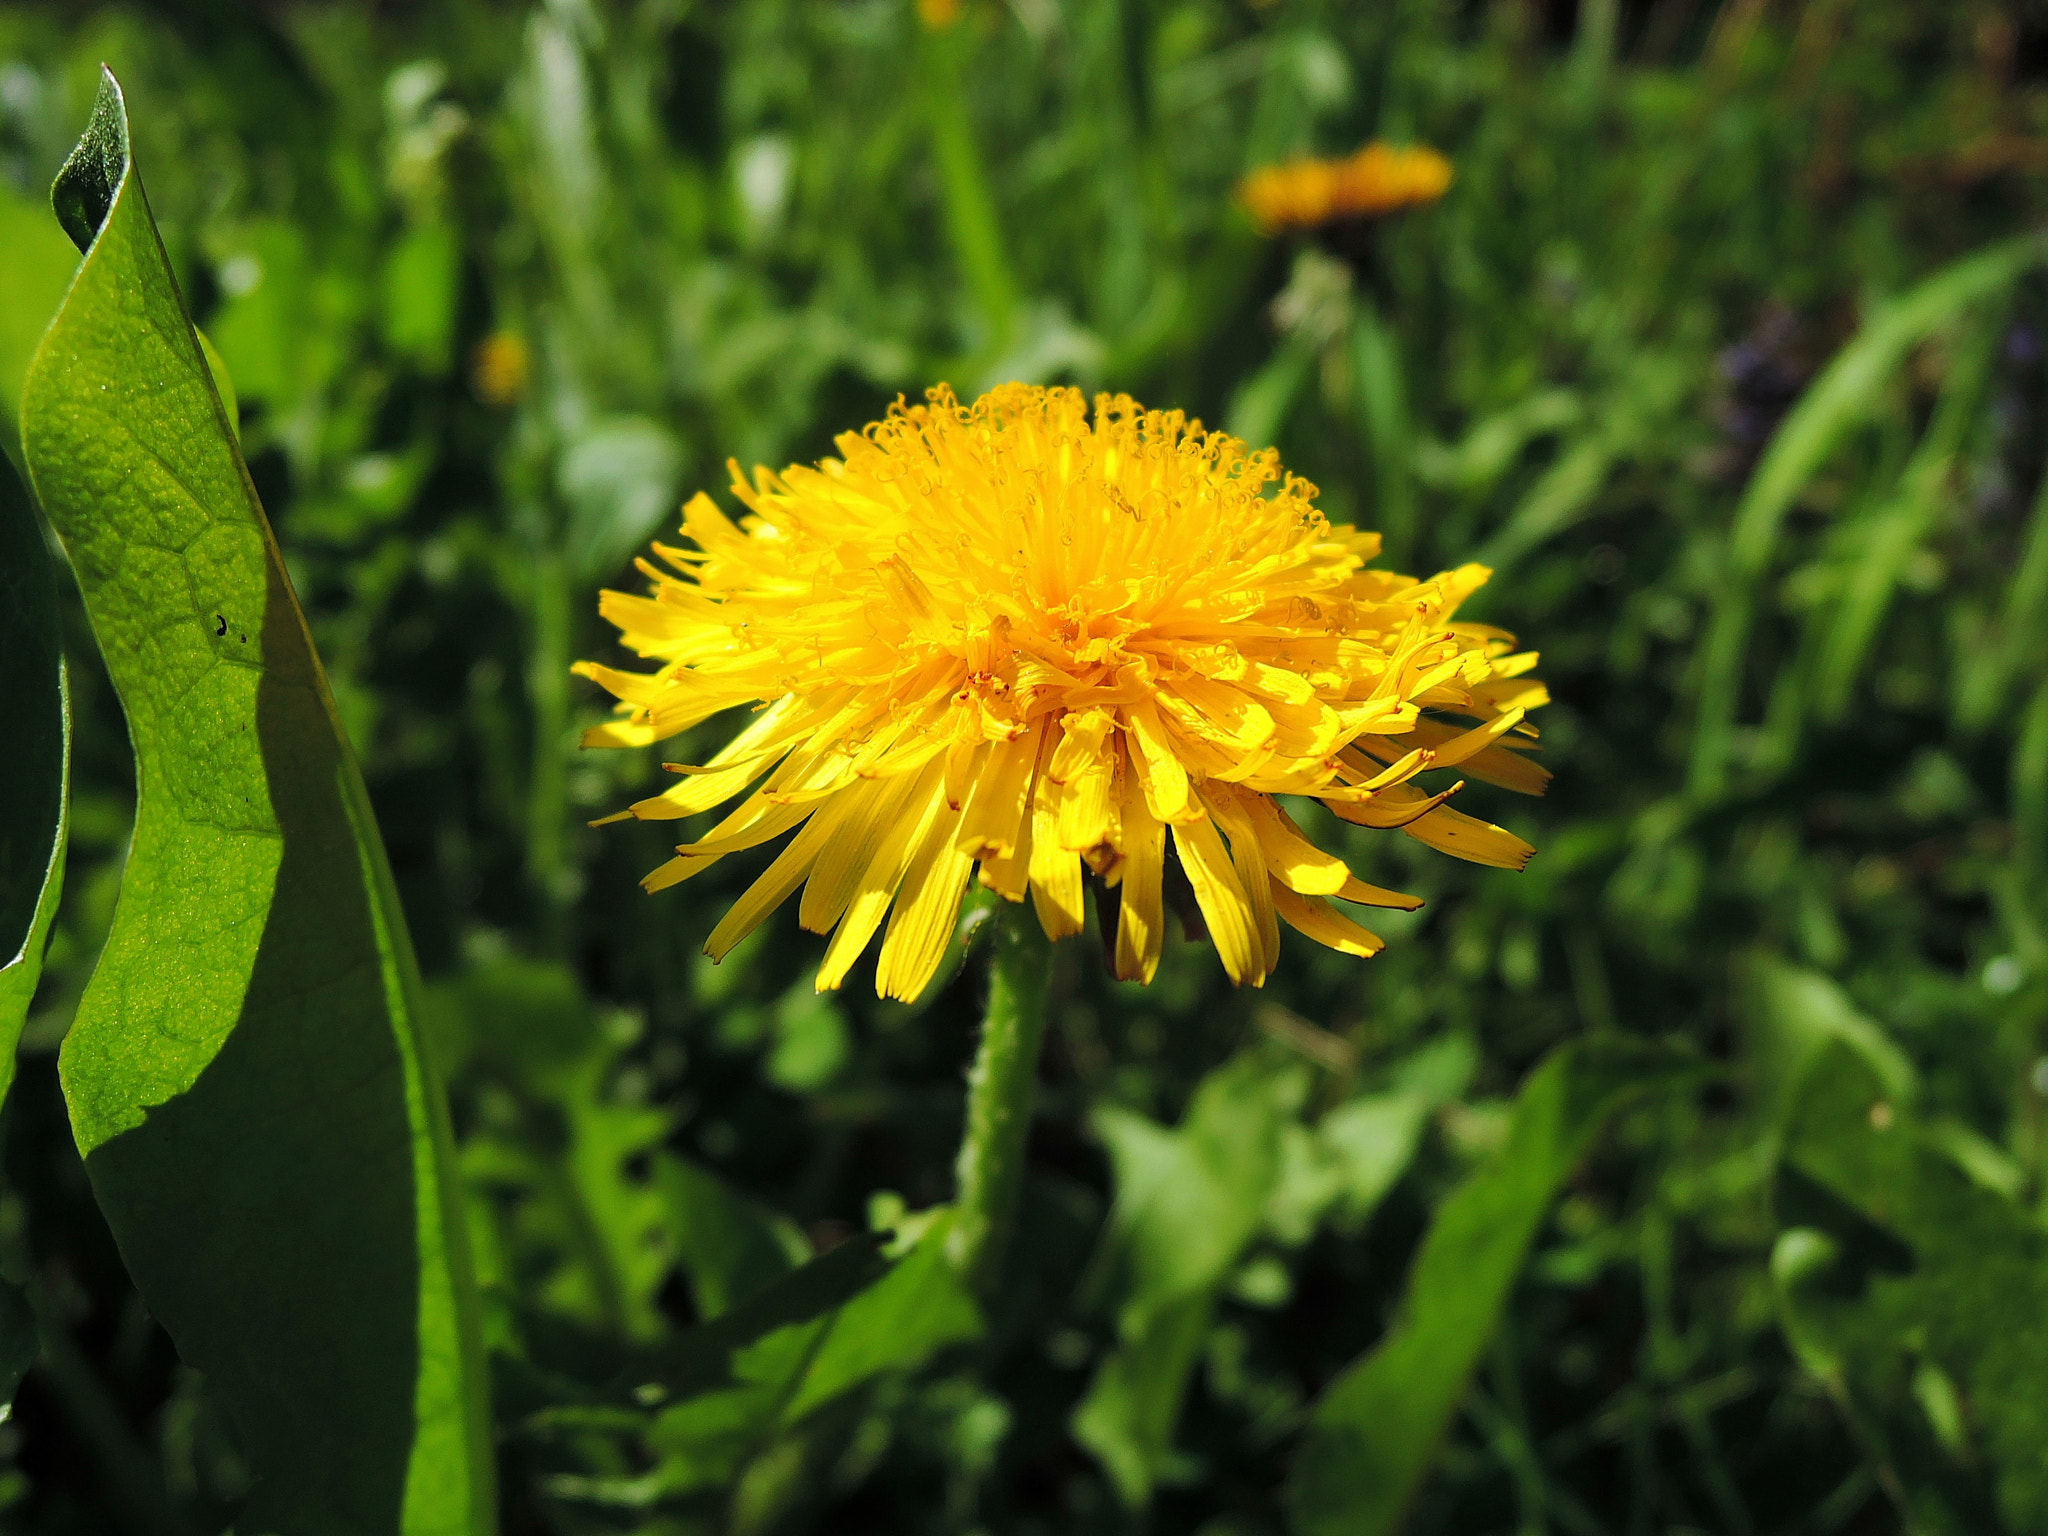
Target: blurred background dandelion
{"x":1714,"y":326}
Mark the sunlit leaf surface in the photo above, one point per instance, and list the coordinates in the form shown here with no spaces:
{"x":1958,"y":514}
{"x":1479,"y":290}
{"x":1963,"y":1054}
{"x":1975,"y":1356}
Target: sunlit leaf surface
{"x":244,"y":1075}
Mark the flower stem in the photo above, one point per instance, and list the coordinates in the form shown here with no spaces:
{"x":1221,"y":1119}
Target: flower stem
{"x":999,"y":1086}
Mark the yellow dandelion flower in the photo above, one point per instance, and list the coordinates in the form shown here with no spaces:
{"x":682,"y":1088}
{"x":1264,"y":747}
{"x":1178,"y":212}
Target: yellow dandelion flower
{"x":1380,"y":179}
{"x":938,"y":14}
{"x":501,"y":369}
{"x":1014,"y":636}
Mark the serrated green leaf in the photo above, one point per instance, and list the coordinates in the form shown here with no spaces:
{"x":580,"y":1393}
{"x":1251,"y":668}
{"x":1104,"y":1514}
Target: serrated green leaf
{"x":554,"y":1162}
{"x":1918,"y":1282}
{"x":761,"y":1369}
{"x":35,"y":770}
{"x":245,"y":1075}
{"x":730,"y":1246}
{"x":1376,"y":1430}
{"x":911,"y":1313}
{"x":1189,"y":1201}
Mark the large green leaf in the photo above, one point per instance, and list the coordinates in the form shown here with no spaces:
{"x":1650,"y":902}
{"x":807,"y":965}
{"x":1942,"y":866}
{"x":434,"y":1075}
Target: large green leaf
{"x":245,"y":1077}
{"x":35,"y":770}
{"x":1375,"y":1432}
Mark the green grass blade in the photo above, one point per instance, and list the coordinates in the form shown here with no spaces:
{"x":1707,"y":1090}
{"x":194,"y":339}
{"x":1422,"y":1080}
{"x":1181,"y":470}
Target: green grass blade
{"x":1841,"y":397}
{"x":966,"y":195}
{"x":1560,"y":497}
{"x":1375,"y":1433}
{"x":35,"y":771}
{"x":1388,"y":431}
{"x":263,"y":1131}
{"x":1262,"y":402}
{"x":2030,"y":795}
{"x":1898,"y":526}
{"x":1989,"y":673}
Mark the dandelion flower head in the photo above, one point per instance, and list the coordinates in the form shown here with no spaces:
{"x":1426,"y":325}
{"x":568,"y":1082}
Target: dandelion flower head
{"x":1379,"y":179}
{"x":1026,"y":643}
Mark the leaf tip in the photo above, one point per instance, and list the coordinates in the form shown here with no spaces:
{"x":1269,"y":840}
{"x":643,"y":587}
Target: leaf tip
{"x":88,"y":182}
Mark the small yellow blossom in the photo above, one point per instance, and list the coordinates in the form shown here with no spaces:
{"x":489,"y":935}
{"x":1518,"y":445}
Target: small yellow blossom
{"x":938,"y":14}
{"x":1052,"y":645}
{"x":501,"y":369}
{"x":1379,"y":179}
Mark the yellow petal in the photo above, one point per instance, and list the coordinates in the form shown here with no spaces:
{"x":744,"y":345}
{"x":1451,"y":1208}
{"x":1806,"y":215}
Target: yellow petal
{"x":1159,"y":771}
{"x":1084,"y":744}
{"x":1512,"y":693}
{"x":1295,"y":861}
{"x":700,"y":792}
{"x":1509,"y":769}
{"x":1455,"y":749}
{"x":1395,"y":807}
{"x":994,"y":823}
{"x":1082,"y":772}
{"x":963,"y":766}
{"x":1141,"y":924}
{"x":754,"y":823}
{"x":1055,"y":874}
{"x":910,"y":817}
{"x":922,"y":921}
{"x":1378,"y":896}
{"x":1010,"y":876}
{"x":619,"y":733}
{"x":841,"y":862}
{"x":780,"y":880}
{"x":1316,"y":918}
{"x":674,"y":872}
{"x":1249,"y":860}
{"x":1467,"y":837}
{"x":1225,"y":906}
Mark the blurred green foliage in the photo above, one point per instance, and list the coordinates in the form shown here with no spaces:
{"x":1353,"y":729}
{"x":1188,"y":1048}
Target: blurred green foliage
{"x":1725,"y":349}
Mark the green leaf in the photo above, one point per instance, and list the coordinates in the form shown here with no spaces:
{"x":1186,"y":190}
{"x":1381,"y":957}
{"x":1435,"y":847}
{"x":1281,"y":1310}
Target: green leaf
{"x":729,"y":1246}
{"x":1919,"y":1294}
{"x":758,"y":1371}
{"x":1797,"y":1014}
{"x":553,"y":1151}
{"x":1383,"y":413}
{"x":619,"y":478}
{"x":35,"y":771}
{"x":422,"y":281}
{"x":245,"y":1075}
{"x":918,"y":1308}
{"x":1375,"y":1432}
{"x":1189,"y":1202}
{"x":1341,"y":1170}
